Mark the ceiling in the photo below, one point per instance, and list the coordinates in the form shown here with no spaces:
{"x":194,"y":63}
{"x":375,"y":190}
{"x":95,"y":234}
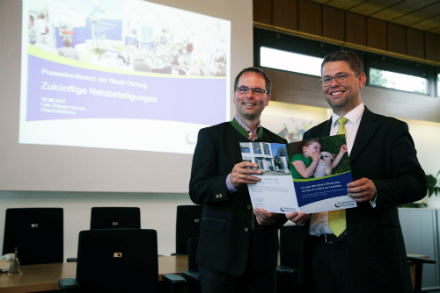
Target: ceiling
{"x":423,"y":15}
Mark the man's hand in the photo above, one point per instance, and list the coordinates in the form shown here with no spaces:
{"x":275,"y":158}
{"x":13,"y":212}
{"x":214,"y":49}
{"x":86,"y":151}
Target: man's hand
{"x":239,"y":174}
{"x":361,"y":190}
{"x":264,"y":218}
{"x":298,"y":218}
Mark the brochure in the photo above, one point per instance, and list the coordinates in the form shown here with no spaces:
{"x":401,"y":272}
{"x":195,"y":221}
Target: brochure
{"x":307,"y":176}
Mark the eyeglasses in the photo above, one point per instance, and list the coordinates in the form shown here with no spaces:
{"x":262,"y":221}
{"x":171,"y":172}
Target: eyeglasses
{"x":341,"y":77}
{"x":244,"y":90}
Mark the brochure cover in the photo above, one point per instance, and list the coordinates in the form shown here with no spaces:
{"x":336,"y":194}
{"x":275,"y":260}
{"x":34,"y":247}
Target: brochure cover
{"x":307,"y":176}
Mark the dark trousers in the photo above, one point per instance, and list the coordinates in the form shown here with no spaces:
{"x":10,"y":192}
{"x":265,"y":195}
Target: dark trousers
{"x":250,"y":281}
{"x":330,"y":272}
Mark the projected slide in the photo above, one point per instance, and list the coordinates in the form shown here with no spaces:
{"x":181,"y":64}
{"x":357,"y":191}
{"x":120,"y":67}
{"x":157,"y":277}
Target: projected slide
{"x":121,"y":74}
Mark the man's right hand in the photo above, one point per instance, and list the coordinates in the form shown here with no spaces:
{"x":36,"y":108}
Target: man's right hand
{"x":241,"y":174}
{"x":298,"y":218}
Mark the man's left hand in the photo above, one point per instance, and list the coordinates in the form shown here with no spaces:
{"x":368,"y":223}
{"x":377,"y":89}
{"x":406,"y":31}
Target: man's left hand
{"x":361,"y":190}
{"x":264,"y":218}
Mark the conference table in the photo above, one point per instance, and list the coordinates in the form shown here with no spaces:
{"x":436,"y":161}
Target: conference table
{"x":44,"y":277}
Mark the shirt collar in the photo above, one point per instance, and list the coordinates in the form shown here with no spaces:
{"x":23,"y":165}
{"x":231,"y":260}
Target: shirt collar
{"x":245,"y":126}
{"x":353,"y":116}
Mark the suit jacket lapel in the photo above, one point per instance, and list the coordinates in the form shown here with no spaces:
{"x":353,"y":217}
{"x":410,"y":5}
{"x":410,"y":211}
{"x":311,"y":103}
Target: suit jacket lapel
{"x":324,"y":129}
{"x":367,"y":128}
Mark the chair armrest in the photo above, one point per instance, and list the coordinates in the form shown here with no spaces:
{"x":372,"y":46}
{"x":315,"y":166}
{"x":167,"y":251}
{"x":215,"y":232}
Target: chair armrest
{"x":72,"y":259}
{"x":420,"y":259}
{"x":192,"y":275}
{"x":173,"y":279}
{"x":418,"y":262}
{"x":286,"y":270}
{"x":68,"y":284}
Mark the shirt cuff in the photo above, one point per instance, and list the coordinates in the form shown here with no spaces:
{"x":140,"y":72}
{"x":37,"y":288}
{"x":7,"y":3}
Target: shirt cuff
{"x":229,"y":186}
{"x":373,"y":201}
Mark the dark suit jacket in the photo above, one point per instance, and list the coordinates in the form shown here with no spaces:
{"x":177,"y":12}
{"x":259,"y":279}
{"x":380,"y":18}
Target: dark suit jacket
{"x":383,"y":152}
{"x":226,"y":220}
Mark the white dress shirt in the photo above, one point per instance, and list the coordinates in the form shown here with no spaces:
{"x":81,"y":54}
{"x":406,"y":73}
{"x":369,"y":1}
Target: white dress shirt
{"x":319,"y":221}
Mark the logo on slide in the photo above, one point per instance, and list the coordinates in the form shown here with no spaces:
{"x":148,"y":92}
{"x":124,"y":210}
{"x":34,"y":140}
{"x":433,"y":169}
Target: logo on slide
{"x":191,"y":138}
{"x":337,"y":205}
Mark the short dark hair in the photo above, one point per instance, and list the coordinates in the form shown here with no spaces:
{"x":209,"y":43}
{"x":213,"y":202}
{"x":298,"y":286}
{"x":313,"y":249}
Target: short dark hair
{"x":257,"y":71}
{"x":353,"y":61}
{"x":297,"y":147}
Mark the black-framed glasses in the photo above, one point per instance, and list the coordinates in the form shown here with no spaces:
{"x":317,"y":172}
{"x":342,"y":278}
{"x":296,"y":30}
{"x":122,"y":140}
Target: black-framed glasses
{"x":244,"y":90}
{"x":341,"y":77}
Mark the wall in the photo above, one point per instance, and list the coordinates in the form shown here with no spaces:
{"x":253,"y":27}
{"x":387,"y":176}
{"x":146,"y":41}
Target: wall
{"x":426,"y":136}
{"x":158,"y":211}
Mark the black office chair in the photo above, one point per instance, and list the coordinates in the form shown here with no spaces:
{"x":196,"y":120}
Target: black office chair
{"x":37,"y":233}
{"x":115,"y":217}
{"x":419,"y":261}
{"x":187,"y":226}
{"x":192,"y":274}
{"x":287,"y":271}
{"x":117,"y":260}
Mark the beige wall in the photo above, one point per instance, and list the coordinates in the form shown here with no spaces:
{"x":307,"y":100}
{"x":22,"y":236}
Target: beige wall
{"x":158,"y":212}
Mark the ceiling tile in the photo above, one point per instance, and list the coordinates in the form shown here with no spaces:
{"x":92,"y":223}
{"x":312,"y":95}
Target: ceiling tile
{"x":435,"y":31}
{"x":402,"y":8}
{"x":422,"y":15}
{"x":344,"y":4}
{"x":373,"y":6}
{"x":419,"y":15}
{"x":320,"y":1}
{"x":428,"y":24}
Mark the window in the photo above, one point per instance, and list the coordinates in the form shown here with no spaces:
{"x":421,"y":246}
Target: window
{"x":438,"y":85}
{"x":245,"y":149}
{"x":398,"y":81}
{"x":289,"y":61}
{"x":257,"y":148}
{"x":266,"y":149}
{"x":294,"y":54}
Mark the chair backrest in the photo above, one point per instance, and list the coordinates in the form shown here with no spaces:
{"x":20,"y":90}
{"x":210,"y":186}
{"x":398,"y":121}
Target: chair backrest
{"x":193,"y":243}
{"x":290,"y":245}
{"x":115,"y":217}
{"x":117,"y":260}
{"x":187,"y":225}
{"x":37,"y":233}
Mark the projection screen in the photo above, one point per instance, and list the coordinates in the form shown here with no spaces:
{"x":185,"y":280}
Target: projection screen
{"x":109,"y":95}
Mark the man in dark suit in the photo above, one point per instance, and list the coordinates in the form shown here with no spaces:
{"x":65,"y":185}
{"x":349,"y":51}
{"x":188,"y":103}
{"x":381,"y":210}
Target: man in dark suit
{"x":369,"y":255}
{"x":237,"y":250}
